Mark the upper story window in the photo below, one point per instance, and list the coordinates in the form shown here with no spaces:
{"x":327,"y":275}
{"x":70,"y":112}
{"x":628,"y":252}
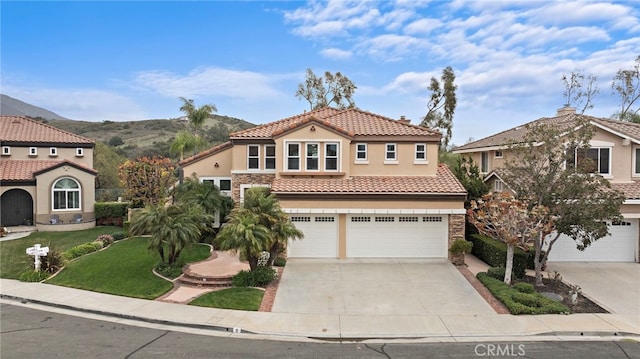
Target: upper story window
{"x":66,"y":194}
{"x":330,"y":156}
{"x":390,"y":152}
{"x":6,"y":150}
{"x":269,"y":157}
{"x":592,"y":160}
{"x":223,"y":183}
{"x":421,"y":152}
{"x":498,"y":186}
{"x":361,"y":151}
{"x":79,"y":152}
{"x":33,"y":151}
{"x":293,"y":156}
{"x":53,"y":151}
{"x":484,"y":162}
{"x":312,"y":156}
{"x":498,"y":154}
{"x":253,"y":157}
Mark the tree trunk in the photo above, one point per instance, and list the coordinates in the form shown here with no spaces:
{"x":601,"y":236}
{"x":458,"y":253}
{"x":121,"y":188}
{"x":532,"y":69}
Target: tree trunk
{"x":537,"y":261}
{"x":253,"y":262}
{"x":274,"y":251}
{"x":509,"y":265}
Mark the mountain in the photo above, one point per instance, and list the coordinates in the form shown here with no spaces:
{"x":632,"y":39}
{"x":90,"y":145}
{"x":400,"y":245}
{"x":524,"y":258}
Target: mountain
{"x":10,"y":106}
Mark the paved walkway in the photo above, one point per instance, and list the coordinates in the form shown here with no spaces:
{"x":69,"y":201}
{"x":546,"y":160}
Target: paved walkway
{"x":301,"y":326}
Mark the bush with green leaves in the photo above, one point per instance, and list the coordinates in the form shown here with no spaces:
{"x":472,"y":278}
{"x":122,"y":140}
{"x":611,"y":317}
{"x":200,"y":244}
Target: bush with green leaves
{"x":524,"y":287}
{"x":494,"y":253}
{"x":117,"y":236}
{"x":518,"y":302}
{"x":105,"y":239}
{"x":82,"y":249}
{"x":110,"y":213}
{"x":280,"y":262}
{"x":496,"y":272}
{"x":53,"y":261}
{"x":259,"y":277}
{"x":29,"y":275}
{"x":169,"y":271}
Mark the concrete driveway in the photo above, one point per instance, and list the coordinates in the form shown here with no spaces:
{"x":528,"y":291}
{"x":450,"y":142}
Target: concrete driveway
{"x":614,"y":286}
{"x":376,"y":286}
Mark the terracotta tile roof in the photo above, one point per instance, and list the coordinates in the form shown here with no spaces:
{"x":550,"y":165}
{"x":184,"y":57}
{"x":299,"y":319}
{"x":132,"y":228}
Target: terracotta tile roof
{"x":630,"y":190}
{"x":22,"y":129}
{"x":443,"y":183}
{"x":206,"y":153}
{"x":25,"y":170}
{"x":351,"y":122}
{"x":562,"y":122}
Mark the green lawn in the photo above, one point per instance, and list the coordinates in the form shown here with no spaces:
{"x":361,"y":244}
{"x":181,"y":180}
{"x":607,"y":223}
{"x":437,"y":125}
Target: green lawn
{"x":125,"y":268}
{"x":241,"y":298}
{"x":14,"y":260}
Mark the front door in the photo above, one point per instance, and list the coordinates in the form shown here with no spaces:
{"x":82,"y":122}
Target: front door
{"x":16,"y":208}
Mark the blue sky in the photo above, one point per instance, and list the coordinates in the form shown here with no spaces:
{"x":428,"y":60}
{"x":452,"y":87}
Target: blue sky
{"x":122,"y":60}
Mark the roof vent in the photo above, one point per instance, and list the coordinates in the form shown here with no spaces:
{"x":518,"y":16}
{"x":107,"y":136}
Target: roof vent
{"x":403,"y":120}
{"x":566,"y":110}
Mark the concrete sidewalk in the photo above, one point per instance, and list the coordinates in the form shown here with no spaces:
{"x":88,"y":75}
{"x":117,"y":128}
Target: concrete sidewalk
{"x":331,"y":326}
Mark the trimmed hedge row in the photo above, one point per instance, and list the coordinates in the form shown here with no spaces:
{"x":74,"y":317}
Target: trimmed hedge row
{"x":494,"y":253}
{"x":521,"y":298}
{"x":110,"y":213}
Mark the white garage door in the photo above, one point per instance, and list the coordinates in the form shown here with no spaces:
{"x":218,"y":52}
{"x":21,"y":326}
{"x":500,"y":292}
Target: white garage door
{"x":620,"y":246}
{"x":320,"y":236}
{"x":408,"y":236}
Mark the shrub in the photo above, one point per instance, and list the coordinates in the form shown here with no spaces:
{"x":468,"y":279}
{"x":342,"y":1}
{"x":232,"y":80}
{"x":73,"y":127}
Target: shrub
{"x":260,"y":277}
{"x":82,"y":249}
{"x":125,"y":228}
{"x":170,"y":271}
{"x":29,"y":275}
{"x":117,"y":235}
{"x":110,"y":213}
{"x":280,"y":262}
{"x":106,"y":239}
{"x":497,"y":272}
{"x":527,"y":299}
{"x":53,"y":261}
{"x":494,"y":253}
{"x":524,"y":287}
{"x":461,"y":246}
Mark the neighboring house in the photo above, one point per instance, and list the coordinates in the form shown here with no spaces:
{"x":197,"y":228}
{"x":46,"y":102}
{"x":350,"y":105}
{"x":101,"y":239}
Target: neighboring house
{"x":356,"y":183}
{"x":615,"y":150}
{"x":46,"y":176}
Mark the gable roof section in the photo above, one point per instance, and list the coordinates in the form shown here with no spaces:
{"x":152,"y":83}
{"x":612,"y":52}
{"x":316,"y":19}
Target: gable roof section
{"x":27,"y":170}
{"x":563,"y":122}
{"x":16,"y":129}
{"x":443,"y":183}
{"x":351,"y":122}
{"x":210,"y":152}
{"x":631,"y":190}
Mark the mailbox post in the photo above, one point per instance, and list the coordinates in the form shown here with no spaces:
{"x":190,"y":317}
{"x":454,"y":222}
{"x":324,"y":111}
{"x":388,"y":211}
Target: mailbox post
{"x":36,"y":251}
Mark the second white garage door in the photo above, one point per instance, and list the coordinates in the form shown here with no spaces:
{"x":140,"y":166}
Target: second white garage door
{"x":402,"y":236}
{"x":320,"y":236}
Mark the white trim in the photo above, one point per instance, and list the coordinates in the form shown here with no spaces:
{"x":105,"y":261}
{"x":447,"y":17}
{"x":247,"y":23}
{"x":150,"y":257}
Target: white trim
{"x":420,"y":162}
{"x":356,"y":162}
{"x":33,"y":151}
{"x":79,"y":152}
{"x":620,"y":134}
{"x":632,"y":201}
{"x":338,"y":156}
{"x":366,"y":153}
{"x":307,"y":157}
{"x":53,"y":190}
{"x":391,"y":162}
{"x":631,"y":215}
{"x":275,"y":158}
{"x":249,"y":157}
{"x":6,"y":151}
{"x":415,"y":153}
{"x":375,"y":210}
{"x":53,"y":151}
{"x":286,"y":156}
{"x":598,"y":143}
{"x":395,"y":152}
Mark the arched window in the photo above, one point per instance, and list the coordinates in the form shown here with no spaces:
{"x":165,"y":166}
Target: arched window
{"x":66,"y":194}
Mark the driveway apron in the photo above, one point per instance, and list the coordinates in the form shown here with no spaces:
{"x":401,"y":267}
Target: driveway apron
{"x":376,"y":286}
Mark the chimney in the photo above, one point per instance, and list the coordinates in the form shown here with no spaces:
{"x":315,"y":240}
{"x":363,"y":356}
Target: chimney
{"x":566,"y":110}
{"x":403,"y":120}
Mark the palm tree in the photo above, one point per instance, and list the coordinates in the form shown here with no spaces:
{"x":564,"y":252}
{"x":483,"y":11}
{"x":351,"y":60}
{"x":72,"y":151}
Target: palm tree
{"x":197,"y":115}
{"x":244,"y":233}
{"x":149,"y":220}
{"x":184,"y":141}
{"x":204,"y":194}
{"x":281,"y":232}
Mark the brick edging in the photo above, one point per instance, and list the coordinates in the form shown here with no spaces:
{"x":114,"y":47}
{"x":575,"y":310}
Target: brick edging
{"x":496,"y":304}
{"x":270,"y":293}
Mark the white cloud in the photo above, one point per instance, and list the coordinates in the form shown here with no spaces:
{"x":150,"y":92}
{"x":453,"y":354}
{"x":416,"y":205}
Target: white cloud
{"x":422,"y":26}
{"x":336,"y":54}
{"x":578,"y":12}
{"x":391,"y":47}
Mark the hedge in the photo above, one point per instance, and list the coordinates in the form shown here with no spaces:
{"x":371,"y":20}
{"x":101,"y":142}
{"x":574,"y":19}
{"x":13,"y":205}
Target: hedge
{"x":110,"y":213}
{"x":494,"y":253}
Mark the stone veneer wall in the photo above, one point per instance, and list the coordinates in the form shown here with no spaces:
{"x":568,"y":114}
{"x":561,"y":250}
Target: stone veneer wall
{"x":238,"y":179}
{"x":456,"y":228}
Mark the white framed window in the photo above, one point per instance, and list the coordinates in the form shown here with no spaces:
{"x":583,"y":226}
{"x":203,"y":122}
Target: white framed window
{"x":312,"y":156}
{"x":361,"y":152}
{"x":33,"y":151}
{"x":53,"y":151}
{"x":390,"y":153}
{"x":484,"y":162}
{"x":6,"y":150}
{"x":293,"y":156}
{"x":65,"y":194}
{"x":498,"y":186}
{"x":223,"y":183}
{"x":594,"y":159}
{"x":636,"y":161}
{"x":421,"y":152}
{"x":79,"y":152}
{"x":269,"y":157}
{"x":498,"y":154}
{"x":331,"y":156}
{"x":253,"y":157}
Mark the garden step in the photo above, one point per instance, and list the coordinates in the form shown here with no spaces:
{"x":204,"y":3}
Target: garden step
{"x":204,"y":281}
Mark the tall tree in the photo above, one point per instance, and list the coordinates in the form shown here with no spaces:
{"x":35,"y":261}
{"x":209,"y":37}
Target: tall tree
{"x":185,"y":141}
{"x":243,"y":232}
{"x":442,"y":105}
{"x":509,"y":220}
{"x":468,"y":173}
{"x":626,"y":84}
{"x":320,"y":92}
{"x":550,"y":168}
{"x":197,"y":116}
{"x":106,"y":161}
{"x":147,"y":180}
{"x":580,"y":90}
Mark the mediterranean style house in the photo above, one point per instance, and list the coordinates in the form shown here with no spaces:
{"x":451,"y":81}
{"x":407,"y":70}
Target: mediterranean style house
{"x":356,"y":183}
{"x":615,"y":150}
{"x":46,"y":176}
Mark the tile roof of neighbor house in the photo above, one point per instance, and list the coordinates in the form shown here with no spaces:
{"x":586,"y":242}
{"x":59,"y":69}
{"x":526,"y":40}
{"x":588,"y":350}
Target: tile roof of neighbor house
{"x":24,"y":170}
{"x":631,"y":190}
{"x":351,"y":122}
{"x":562,"y":122}
{"x":444,"y":182}
{"x":25,"y":130}
{"x":206,"y":153}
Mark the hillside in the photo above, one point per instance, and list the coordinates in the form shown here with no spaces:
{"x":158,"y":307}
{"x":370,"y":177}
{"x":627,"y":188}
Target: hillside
{"x":10,"y":106}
